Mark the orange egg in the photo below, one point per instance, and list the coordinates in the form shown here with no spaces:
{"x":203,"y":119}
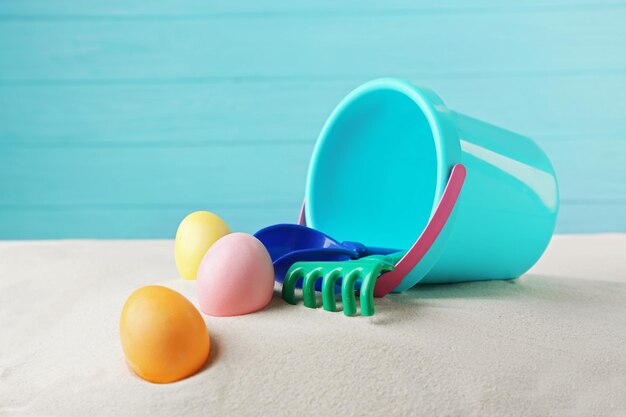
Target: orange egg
{"x":163,"y":335}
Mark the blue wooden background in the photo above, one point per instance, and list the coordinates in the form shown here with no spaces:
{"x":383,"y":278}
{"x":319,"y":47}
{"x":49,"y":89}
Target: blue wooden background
{"x":118,"y":117}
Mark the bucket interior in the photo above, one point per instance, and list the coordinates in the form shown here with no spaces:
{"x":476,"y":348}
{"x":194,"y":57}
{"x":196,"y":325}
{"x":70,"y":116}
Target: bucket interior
{"x":374,"y":172}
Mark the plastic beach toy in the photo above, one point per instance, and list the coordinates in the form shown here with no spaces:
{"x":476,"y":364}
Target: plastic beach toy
{"x":235,"y":277}
{"x":378,"y":274}
{"x":291,"y":243}
{"x":365,"y":270}
{"x":322,"y":263}
{"x":163,"y":336}
{"x":402,"y":142}
{"x":195,"y":235}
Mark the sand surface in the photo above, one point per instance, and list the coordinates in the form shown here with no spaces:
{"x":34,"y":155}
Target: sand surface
{"x":552,"y":343}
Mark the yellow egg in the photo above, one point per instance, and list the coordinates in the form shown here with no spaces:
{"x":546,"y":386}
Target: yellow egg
{"x":195,"y":235}
{"x":163,"y":335}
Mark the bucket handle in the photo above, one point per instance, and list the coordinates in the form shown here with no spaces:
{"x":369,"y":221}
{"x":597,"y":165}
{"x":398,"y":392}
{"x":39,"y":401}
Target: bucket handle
{"x":390,"y":280}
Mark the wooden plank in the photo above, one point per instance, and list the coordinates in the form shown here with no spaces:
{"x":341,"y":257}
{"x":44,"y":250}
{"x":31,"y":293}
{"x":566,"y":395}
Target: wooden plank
{"x":546,"y":108}
{"x":187,"y":176}
{"x":315,"y":46}
{"x":86,"y":115}
{"x":234,"y":175}
{"x":71,"y":8}
{"x":117,"y":118}
{"x":589,"y":169}
{"x":582,"y":107}
{"x":161,"y":222}
{"x":127,"y":222}
{"x":592,"y":217}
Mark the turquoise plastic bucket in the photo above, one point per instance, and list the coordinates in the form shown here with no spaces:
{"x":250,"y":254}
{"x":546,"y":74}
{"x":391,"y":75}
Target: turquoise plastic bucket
{"x":381,"y":163}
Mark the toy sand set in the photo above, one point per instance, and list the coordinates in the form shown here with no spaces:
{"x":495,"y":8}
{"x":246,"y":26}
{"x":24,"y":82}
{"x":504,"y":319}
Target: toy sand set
{"x":400,"y":191}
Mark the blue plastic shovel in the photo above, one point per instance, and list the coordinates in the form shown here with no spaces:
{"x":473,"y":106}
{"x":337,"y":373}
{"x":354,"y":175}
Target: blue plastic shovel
{"x":291,"y":243}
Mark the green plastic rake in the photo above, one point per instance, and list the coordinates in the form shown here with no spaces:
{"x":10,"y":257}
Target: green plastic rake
{"x":366,"y":270}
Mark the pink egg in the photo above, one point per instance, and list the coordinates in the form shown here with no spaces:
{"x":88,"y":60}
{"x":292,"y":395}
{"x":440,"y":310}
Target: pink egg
{"x":236,"y":276}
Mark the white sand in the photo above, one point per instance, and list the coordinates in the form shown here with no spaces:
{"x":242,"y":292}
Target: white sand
{"x":552,"y":343}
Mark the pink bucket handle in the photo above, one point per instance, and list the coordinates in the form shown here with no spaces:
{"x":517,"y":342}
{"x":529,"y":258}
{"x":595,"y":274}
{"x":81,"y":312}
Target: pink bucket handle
{"x":387,"y":282}
{"x":302,"y":217}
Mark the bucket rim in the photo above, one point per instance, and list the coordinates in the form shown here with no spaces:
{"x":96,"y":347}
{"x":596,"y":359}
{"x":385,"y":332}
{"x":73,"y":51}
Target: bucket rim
{"x":444,"y":134}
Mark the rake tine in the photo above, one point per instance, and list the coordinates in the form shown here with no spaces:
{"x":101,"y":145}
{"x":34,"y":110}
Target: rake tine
{"x":308,"y":287}
{"x":369,"y":269}
{"x":367,"y":294}
{"x":289,"y":284}
{"x":367,"y":288}
{"x":328,"y":289}
{"x":347,"y":291}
